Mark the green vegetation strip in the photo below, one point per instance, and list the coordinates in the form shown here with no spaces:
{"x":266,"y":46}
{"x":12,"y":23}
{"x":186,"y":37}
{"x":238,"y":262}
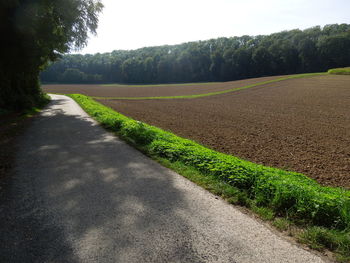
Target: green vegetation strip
{"x":274,"y":194}
{"x":339,"y":71}
{"x":158,"y":85}
{"x":214,"y":93}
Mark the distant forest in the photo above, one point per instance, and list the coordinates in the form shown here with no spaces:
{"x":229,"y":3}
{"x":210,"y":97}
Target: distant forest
{"x":315,"y":49}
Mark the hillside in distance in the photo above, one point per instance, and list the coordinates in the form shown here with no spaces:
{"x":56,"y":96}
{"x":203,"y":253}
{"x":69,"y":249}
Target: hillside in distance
{"x":288,"y":52}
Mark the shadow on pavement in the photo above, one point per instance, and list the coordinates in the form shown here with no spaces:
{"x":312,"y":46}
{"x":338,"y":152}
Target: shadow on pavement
{"x":81,"y":195}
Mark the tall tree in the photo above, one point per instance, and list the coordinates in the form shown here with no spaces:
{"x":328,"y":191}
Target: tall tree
{"x":34,"y":33}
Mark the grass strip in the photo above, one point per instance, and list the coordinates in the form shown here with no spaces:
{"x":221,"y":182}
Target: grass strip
{"x":157,"y":85}
{"x":268,"y":191}
{"x":321,"y":238}
{"x":340,"y":71}
{"x":214,"y":93}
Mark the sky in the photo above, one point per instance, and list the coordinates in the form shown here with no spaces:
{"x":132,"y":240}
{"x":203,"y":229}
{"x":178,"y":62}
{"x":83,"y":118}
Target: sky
{"x":132,"y":24}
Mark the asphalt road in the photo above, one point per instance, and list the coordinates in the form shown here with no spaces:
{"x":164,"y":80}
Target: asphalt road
{"x":82,"y":195}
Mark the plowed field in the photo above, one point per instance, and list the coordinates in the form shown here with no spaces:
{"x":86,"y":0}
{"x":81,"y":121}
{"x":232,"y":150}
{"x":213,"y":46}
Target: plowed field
{"x":151,"y":90}
{"x":299,"y":124}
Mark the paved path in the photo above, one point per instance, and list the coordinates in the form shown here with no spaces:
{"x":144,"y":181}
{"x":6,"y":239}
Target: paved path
{"x":82,"y":195}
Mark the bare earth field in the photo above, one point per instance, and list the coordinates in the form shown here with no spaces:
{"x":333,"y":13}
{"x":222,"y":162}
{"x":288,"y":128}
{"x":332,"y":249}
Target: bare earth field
{"x":150,"y":90}
{"x":300,"y":124}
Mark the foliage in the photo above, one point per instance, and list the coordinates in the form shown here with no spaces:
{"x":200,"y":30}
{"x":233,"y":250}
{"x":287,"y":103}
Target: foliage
{"x":284,"y":192}
{"x":35,"y":32}
{"x":340,"y":71}
{"x":289,"y":52}
{"x":73,"y":75}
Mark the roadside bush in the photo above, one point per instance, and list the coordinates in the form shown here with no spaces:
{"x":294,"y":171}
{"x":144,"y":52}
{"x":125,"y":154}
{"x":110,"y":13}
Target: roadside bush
{"x":137,"y":132}
{"x":286,"y":193}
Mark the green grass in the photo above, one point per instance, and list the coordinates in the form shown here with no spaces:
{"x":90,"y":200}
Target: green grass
{"x":41,"y":104}
{"x":33,"y":111}
{"x":213,"y":93}
{"x":265,"y":213}
{"x":157,"y":85}
{"x":340,"y":71}
{"x":320,"y":238}
{"x":269,"y":192}
{"x":282,"y":224}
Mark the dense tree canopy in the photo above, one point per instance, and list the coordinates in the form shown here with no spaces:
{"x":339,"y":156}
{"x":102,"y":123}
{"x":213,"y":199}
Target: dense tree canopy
{"x":35,"y":32}
{"x":312,"y":50}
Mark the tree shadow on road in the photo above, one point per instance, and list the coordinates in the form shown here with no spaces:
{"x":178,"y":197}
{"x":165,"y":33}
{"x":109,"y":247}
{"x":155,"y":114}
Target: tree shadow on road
{"x":79,"y":194}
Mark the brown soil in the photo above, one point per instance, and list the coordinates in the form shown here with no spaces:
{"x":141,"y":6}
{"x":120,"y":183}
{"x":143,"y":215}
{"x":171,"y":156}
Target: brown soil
{"x":150,"y":91}
{"x":301,"y":124}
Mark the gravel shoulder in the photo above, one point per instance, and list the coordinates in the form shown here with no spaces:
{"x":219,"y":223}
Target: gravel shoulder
{"x":81,"y":195}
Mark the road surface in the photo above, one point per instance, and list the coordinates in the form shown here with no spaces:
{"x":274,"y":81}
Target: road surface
{"x":82,"y":195}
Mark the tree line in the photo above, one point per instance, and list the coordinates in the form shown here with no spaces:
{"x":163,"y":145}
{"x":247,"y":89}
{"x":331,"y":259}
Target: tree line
{"x":314,"y":49}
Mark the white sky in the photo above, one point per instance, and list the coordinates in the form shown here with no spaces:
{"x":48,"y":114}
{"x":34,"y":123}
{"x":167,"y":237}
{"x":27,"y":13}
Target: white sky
{"x":131,"y":24}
